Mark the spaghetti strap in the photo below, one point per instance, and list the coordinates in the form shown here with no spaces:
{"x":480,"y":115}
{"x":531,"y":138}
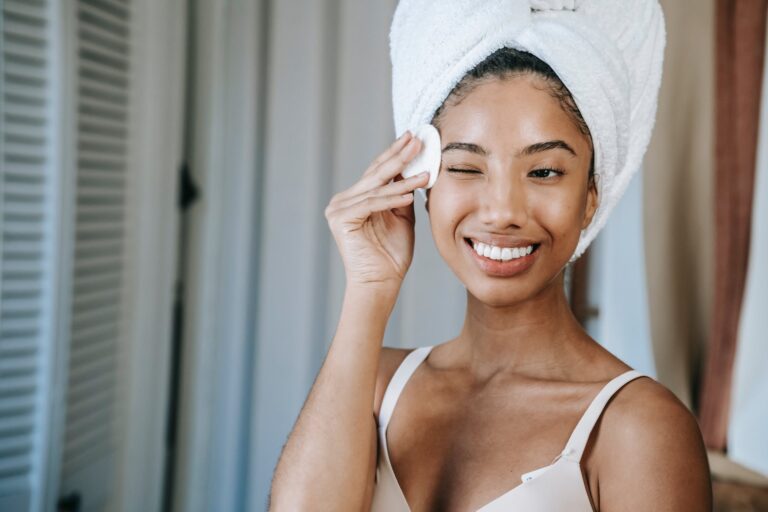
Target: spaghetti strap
{"x":397,"y":383}
{"x":557,"y":486}
{"x":574,"y":448}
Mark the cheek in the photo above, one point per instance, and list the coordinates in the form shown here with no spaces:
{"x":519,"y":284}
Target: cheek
{"x":447,"y":206}
{"x":561,"y":212}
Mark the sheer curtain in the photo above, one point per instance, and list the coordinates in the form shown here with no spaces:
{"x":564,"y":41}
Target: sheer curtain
{"x":617,"y":285}
{"x":748,"y":427}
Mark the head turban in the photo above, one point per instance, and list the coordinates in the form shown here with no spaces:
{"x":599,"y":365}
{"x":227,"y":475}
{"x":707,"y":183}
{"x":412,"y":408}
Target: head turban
{"x":608,"y":53}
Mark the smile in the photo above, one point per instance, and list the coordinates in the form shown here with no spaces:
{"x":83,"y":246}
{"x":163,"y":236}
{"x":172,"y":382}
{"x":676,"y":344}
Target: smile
{"x":501,"y":261}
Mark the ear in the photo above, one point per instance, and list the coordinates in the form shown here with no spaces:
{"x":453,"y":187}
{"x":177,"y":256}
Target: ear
{"x":592,"y":202}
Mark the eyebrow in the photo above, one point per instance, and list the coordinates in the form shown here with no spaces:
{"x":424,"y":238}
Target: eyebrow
{"x":526,"y":151}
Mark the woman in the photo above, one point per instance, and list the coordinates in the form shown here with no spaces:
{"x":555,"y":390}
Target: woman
{"x":522,"y":392}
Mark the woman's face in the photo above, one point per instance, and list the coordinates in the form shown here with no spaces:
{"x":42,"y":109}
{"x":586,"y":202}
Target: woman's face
{"x":513,"y":173}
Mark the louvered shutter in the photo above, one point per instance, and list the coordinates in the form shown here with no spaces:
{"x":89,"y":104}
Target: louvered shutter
{"x":25,"y":250}
{"x":94,"y":390}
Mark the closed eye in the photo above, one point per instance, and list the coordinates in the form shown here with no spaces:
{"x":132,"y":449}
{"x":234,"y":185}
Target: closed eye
{"x":466,"y":171}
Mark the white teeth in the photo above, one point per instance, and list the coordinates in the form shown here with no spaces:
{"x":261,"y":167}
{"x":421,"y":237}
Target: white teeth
{"x":501,"y":253}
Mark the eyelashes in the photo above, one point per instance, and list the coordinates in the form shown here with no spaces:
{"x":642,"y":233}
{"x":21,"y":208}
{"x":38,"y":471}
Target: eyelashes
{"x":465,"y":171}
{"x":558,"y":172}
{"x":552,"y":172}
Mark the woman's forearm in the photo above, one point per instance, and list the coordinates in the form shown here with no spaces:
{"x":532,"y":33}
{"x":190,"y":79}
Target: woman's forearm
{"x":325,"y":463}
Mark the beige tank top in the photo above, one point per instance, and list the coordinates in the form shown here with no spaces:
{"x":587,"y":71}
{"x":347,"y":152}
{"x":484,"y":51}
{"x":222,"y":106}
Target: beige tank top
{"x":553,"y":488}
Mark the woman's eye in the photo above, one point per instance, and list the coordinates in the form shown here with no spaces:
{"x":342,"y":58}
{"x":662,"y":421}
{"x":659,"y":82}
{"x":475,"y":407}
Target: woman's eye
{"x":546,"y":173}
{"x":466,"y":171}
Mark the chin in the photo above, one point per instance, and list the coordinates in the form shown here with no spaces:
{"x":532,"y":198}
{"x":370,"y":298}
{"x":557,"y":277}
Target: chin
{"x":499,"y":294}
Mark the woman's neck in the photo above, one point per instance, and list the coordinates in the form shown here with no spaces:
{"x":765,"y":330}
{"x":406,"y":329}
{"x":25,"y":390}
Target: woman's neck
{"x":539,"y":337}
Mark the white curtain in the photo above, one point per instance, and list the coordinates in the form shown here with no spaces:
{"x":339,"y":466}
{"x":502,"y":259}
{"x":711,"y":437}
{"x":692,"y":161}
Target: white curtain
{"x":748,"y":427}
{"x":617,"y":283}
{"x":328,"y":113}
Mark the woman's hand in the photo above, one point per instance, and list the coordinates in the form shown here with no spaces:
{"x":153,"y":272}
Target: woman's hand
{"x":372,"y":221}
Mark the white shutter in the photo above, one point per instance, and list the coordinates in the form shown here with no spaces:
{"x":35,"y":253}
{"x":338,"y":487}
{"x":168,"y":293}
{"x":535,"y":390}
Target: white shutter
{"x":25,"y":249}
{"x":94,"y":390}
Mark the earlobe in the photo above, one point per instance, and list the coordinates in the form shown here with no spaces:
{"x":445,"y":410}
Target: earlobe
{"x":592,"y":205}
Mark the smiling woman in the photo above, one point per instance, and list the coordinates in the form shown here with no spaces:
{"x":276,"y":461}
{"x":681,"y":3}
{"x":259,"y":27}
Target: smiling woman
{"x":517,"y":171}
{"x":522,"y":409}
{"x":517,"y":186}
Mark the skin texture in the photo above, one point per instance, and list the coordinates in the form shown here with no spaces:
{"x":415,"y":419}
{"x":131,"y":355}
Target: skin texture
{"x":502,"y":397}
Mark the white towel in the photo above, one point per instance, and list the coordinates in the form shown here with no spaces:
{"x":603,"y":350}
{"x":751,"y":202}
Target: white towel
{"x":608,"y":53}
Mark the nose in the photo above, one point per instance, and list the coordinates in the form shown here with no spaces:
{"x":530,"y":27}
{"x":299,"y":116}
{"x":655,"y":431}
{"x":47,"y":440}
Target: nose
{"x":504,"y":204}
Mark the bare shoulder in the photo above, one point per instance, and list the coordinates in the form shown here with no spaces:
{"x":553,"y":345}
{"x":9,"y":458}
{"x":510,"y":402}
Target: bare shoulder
{"x":652,"y":456}
{"x":388,"y":362}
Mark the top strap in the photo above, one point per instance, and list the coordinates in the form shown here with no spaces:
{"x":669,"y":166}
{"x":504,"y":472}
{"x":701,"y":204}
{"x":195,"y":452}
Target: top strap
{"x":574,"y":448}
{"x":397,"y":383}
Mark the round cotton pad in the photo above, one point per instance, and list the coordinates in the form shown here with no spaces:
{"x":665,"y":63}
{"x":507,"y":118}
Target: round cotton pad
{"x":428,"y":158}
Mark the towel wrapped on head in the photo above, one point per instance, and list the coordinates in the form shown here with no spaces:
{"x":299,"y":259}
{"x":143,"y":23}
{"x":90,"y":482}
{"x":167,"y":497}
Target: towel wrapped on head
{"x":608,"y":53}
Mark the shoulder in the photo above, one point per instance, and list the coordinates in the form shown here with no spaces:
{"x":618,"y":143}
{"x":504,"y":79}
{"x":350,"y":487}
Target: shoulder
{"x":389,"y":360}
{"x":652,"y":456}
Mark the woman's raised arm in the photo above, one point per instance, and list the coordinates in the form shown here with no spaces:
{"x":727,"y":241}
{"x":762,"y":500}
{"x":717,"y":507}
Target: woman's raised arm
{"x":328,"y":461}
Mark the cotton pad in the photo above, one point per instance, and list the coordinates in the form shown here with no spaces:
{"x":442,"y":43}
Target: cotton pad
{"x":428,"y":158}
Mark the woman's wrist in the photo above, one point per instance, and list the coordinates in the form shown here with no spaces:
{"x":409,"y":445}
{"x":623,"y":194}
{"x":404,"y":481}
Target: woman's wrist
{"x":369,"y":294}
{"x":368,"y":307}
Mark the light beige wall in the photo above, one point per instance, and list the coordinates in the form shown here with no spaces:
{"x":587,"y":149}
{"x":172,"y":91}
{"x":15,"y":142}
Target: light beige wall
{"x":678,"y":181}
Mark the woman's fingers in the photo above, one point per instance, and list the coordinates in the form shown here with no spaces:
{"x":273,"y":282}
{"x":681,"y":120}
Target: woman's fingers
{"x":356,"y":212}
{"x":396,"y":164}
{"x":372,"y":221}
{"x":363,"y":209}
{"x":400,"y":187}
{"x":393,"y":149}
{"x":390,"y":164}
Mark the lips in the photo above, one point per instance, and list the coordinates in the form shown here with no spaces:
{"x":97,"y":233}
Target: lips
{"x":497,"y":268}
{"x":502,"y":240}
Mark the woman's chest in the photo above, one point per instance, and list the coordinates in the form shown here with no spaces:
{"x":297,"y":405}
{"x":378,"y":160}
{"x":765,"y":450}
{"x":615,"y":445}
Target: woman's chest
{"x":460,"y":453}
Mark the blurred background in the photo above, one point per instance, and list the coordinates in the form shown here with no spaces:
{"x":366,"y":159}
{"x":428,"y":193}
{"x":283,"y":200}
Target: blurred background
{"x":169,"y":286}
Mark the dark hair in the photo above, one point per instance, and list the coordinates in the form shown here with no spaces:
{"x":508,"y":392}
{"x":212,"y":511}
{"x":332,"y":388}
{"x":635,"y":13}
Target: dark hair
{"x":508,"y":62}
